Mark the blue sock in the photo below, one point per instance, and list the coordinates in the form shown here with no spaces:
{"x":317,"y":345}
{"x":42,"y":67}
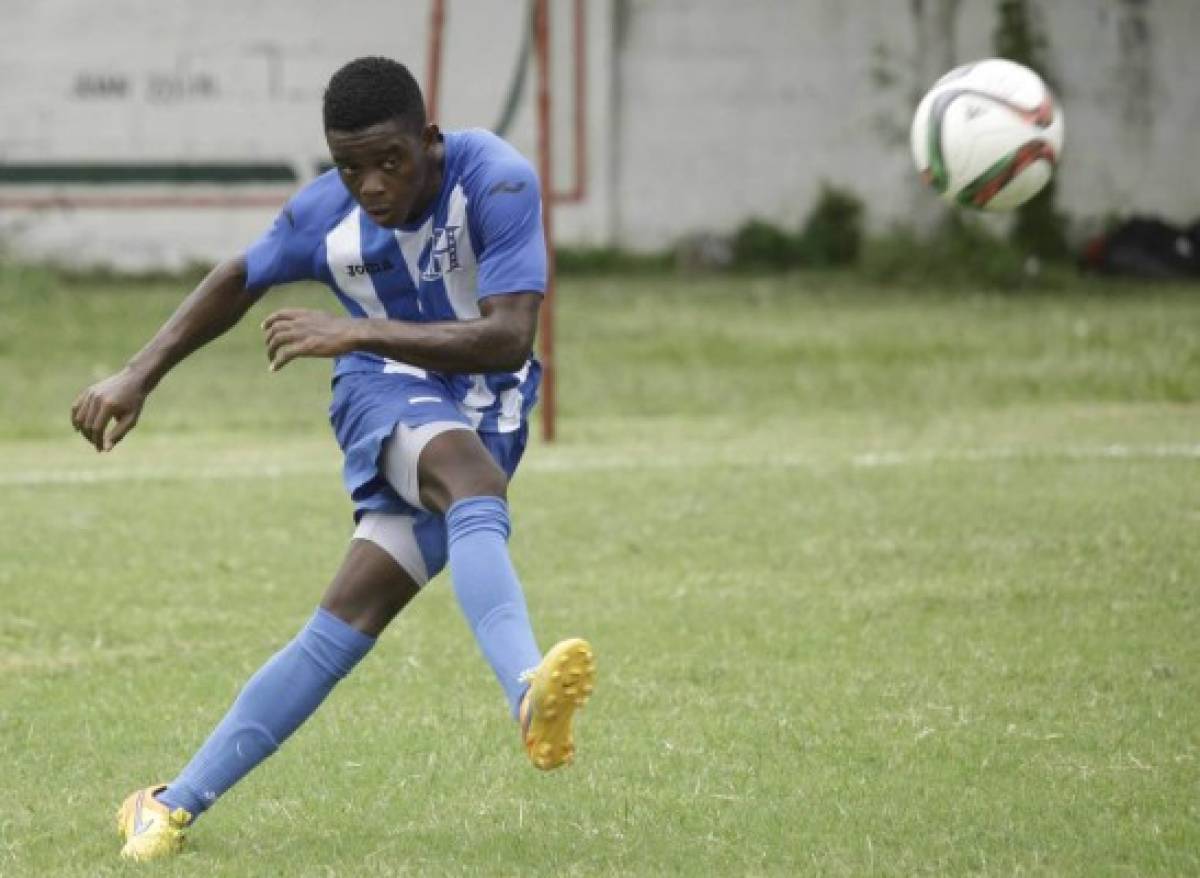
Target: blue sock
{"x":276,"y":700}
{"x":488,"y":590}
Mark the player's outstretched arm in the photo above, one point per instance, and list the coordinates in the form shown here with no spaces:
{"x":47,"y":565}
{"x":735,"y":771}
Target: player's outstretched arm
{"x":217,"y":303}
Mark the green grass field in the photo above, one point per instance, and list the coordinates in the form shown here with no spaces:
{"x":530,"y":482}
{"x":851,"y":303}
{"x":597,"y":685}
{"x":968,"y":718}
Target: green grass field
{"x":880,"y":583}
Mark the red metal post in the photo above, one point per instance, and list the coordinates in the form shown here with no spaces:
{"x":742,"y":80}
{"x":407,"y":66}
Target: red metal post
{"x":433,"y":72}
{"x":541,"y":37}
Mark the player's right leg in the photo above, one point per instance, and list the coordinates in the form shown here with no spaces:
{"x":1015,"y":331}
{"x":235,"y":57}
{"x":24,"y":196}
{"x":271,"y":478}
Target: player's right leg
{"x":370,"y":588}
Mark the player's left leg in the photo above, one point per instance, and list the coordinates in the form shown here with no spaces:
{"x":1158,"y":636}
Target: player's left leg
{"x":370,"y":588}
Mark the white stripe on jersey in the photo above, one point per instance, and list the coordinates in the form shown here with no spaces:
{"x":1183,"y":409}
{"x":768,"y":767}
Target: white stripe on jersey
{"x":478,"y":398}
{"x":460,"y":284}
{"x":343,"y":246}
{"x":411,"y":245}
{"x":511,"y":403}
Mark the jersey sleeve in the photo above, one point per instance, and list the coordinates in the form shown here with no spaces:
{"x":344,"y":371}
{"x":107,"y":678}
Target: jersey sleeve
{"x":287,"y":250}
{"x":508,"y":215}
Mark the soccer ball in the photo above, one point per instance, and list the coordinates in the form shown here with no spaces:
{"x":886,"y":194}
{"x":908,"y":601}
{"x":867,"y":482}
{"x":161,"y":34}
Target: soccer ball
{"x":988,"y":135}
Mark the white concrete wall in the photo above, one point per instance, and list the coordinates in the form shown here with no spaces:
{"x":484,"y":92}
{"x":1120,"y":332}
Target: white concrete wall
{"x":222,"y":80}
{"x":733,"y":109}
{"x":701,"y":113}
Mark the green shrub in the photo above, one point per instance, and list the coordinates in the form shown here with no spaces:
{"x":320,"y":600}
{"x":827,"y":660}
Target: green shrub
{"x":759,"y":245}
{"x":832,"y":234}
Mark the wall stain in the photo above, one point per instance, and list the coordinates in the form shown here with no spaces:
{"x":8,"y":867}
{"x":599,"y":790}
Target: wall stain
{"x":1135,"y":67}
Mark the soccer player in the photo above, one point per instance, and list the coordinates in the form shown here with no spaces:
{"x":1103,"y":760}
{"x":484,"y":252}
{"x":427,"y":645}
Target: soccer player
{"x":433,"y":243}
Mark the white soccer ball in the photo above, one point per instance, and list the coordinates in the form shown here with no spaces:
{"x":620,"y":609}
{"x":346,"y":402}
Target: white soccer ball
{"x":988,"y":135}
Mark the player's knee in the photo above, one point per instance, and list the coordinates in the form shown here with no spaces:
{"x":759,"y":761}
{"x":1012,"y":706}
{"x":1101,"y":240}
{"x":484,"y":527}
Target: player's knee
{"x":374,"y":582}
{"x":446,"y":486}
{"x":366,"y":612}
{"x":488,"y":481}
{"x":456,"y":465}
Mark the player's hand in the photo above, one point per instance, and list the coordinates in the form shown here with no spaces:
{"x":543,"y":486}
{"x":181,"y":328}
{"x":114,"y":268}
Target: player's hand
{"x":294,"y":332}
{"x":117,"y":402}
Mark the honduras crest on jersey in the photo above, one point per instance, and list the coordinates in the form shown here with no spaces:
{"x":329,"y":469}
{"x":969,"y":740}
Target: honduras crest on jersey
{"x":443,"y":253}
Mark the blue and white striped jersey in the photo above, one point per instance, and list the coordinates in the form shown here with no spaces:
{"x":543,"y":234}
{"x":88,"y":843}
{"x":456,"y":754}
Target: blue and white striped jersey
{"x":481,"y":237}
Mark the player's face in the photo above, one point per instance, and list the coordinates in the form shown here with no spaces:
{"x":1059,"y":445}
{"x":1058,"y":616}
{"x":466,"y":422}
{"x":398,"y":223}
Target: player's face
{"x":391,"y":172}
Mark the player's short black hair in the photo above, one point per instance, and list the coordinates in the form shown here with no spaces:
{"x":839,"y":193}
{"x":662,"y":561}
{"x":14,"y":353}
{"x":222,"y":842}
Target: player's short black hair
{"x":371,"y":90}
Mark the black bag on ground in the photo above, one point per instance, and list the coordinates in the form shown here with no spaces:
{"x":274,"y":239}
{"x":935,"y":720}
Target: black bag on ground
{"x":1146,"y":247}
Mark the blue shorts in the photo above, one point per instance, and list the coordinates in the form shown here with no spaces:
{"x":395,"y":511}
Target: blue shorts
{"x":365,"y":411}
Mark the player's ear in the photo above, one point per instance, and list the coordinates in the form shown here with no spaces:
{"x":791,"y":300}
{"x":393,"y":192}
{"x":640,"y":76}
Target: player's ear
{"x":431,"y":135}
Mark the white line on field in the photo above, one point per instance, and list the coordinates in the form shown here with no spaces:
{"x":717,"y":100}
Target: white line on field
{"x":157,"y":474}
{"x":566,"y":463}
{"x":971,"y":455}
{"x":872,"y":459}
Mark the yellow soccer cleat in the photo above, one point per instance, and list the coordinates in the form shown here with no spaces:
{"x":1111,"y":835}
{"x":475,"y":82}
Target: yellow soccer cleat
{"x":561,"y":683}
{"x":149,"y":828}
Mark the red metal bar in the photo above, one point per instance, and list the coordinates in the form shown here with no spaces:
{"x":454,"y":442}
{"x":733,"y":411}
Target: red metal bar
{"x":578,"y":190}
{"x":433,"y":74}
{"x":541,"y":36}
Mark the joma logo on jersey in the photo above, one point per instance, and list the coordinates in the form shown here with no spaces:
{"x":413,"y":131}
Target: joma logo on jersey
{"x":369,"y":268}
{"x":443,"y":253}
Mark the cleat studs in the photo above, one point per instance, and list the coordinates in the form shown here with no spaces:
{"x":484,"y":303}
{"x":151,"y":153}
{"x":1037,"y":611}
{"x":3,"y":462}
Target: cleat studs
{"x":544,"y":749}
{"x":556,"y":675}
{"x":550,"y":701}
{"x":550,"y":714}
{"x":588,"y":688}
